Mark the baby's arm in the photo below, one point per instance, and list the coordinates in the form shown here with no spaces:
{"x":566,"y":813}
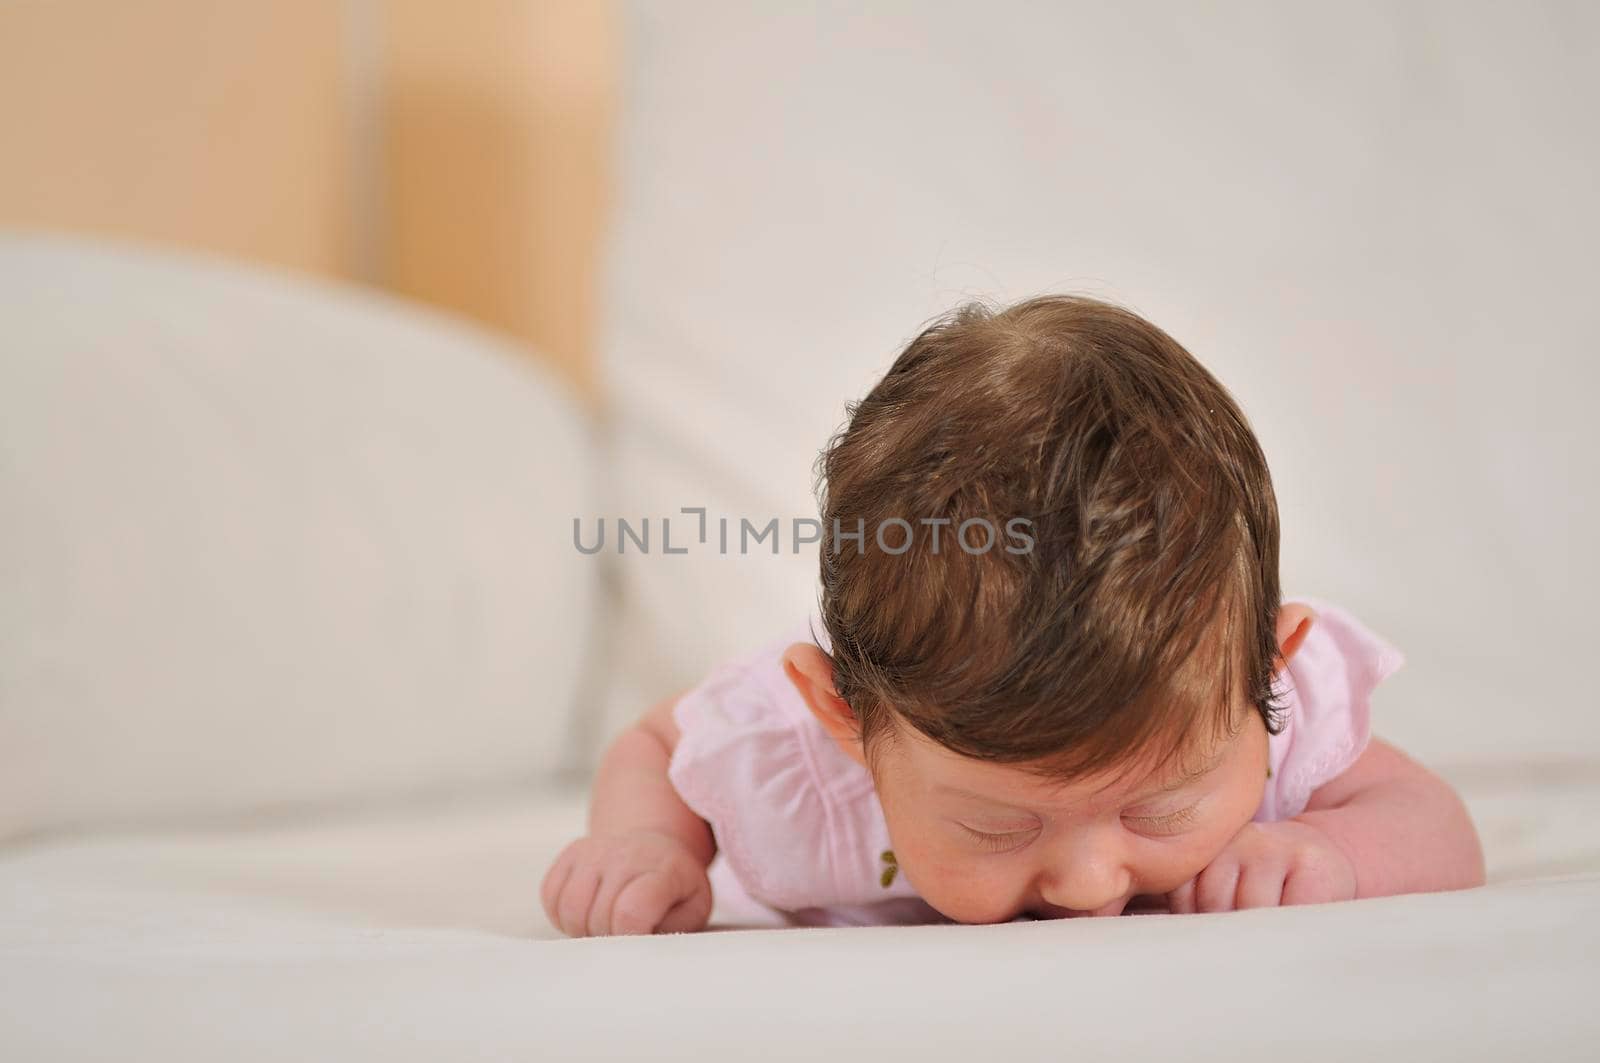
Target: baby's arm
{"x":1402,"y":827}
{"x":1385,"y":825}
{"x":642,"y":867}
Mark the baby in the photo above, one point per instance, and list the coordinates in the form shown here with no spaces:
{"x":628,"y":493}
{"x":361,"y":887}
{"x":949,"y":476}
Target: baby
{"x":1050,"y":674}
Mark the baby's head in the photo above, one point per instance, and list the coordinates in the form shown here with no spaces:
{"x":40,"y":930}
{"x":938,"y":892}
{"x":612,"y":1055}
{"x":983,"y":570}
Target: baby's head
{"x":1077,"y":714}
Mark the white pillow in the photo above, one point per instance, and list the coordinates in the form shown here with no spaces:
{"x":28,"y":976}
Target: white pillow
{"x":267,"y":541}
{"x":1374,"y":224}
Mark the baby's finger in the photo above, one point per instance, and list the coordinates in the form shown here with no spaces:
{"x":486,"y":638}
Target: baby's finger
{"x":554,"y":880}
{"x":642,"y":902}
{"x":1303,"y":888}
{"x":688,"y":915}
{"x":602,"y":910}
{"x":1181,"y":900}
{"x":1214,"y":887}
{"x":1260,"y":886}
{"x":576,"y":898}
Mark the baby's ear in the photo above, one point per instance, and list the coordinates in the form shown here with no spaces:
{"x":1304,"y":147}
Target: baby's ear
{"x":1295,"y":621}
{"x":811,"y":672}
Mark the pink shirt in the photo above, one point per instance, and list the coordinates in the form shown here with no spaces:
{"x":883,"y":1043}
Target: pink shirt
{"x":798,"y":826}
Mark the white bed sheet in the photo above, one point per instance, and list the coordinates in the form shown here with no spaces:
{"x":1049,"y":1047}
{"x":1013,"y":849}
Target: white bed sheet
{"x":418,"y":935}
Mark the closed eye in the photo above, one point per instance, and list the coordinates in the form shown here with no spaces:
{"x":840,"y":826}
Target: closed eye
{"x":1169,"y":823}
{"x":998,"y":842}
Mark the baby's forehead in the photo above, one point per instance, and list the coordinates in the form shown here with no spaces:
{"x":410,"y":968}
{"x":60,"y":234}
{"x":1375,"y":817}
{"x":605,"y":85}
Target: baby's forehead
{"x":949,"y":772}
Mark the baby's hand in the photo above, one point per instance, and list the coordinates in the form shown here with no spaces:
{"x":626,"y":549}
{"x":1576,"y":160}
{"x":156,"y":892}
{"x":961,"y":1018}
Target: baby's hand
{"x":643,"y":882}
{"x":1270,"y":864}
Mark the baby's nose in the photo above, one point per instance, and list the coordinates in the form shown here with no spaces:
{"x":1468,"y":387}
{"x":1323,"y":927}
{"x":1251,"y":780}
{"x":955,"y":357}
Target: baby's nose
{"x":1086,"y":882}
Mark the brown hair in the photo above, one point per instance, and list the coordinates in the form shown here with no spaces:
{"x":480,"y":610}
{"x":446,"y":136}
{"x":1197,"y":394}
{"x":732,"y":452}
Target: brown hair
{"x":1151,"y":586}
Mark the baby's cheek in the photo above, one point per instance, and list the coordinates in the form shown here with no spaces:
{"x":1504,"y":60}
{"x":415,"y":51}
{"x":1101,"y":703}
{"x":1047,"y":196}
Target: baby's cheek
{"x":1176,"y":864}
{"x":964,"y":887}
{"x":1173,"y":869}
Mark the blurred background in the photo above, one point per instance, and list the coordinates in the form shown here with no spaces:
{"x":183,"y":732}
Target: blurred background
{"x":455,"y":157}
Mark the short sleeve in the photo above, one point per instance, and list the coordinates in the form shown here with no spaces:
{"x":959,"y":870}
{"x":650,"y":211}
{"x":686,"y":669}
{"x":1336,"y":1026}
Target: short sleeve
{"x":784,"y":803}
{"x":1327,"y":694}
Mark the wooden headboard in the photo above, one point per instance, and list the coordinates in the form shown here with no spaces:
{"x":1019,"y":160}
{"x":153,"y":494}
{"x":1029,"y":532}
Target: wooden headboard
{"x":456,"y":154}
